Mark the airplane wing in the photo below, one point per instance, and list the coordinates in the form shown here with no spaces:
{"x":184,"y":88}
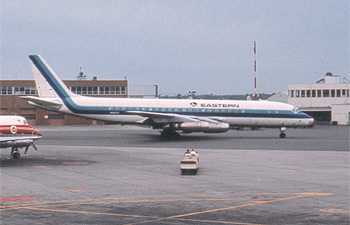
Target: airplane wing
{"x":19,"y":141}
{"x":172,"y":117}
{"x":18,"y":138}
{"x":39,"y":102}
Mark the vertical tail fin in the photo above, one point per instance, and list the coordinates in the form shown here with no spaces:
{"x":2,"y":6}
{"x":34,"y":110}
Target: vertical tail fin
{"x":48,"y":84}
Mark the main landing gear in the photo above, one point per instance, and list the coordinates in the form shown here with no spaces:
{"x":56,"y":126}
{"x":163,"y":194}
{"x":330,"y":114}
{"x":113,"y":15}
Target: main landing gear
{"x":169,"y":134}
{"x":282,"y":134}
{"x":15,"y":153}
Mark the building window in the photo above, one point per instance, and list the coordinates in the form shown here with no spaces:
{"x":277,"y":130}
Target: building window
{"x":55,"y":116}
{"x":313,"y":93}
{"x":332,"y":93}
{"x":297,"y":93}
{"x":84,"y":90}
{"x":23,"y":91}
{"x":106,"y":91}
{"x":98,"y":90}
{"x":308,"y":93}
{"x":338,"y":93}
{"x":29,"y":116}
{"x":319,"y":93}
{"x":117,"y":91}
{"x":94,"y":90}
{"x":291,"y":93}
{"x":112,"y":90}
{"x":325,"y":93}
{"x":303,"y":93}
{"x":89,"y":90}
{"x":6,"y":91}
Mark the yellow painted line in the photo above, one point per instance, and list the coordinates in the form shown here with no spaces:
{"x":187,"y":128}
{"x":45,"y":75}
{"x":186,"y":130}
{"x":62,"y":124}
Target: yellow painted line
{"x":150,"y":200}
{"x":89,"y":213}
{"x":335,"y":211}
{"x":4,"y":208}
{"x":200,"y":221}
{"x":303,"y":195}
{"x":39,"y":206}
{"x":240,"y":206}
{"x":217,"y":221}
{"x":109,"y":200}
{"x":41,"y":167}
{"x":78,"y":190}
{"x":136,"y":197}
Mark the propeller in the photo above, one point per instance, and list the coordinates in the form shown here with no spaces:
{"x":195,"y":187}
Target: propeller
{"x":25,"y":152}
{"x":33,"y":145}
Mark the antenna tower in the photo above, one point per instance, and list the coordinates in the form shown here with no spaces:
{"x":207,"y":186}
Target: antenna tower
{"x":255,"y":79}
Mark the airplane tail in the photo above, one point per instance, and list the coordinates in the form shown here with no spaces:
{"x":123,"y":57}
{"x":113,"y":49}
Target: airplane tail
{"x":48,"y":84}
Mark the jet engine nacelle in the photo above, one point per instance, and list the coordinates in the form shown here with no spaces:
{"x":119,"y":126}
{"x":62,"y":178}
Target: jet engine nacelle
{"x":206,"y":127}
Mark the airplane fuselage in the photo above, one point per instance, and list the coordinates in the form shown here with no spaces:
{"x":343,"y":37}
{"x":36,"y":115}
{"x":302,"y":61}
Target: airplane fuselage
{"x":235,"y":113}
{"x":190,"y":115}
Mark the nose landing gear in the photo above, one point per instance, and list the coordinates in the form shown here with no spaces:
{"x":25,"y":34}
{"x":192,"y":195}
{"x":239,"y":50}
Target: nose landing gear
{"x":282,"y":134}
{"x":15,"y":153}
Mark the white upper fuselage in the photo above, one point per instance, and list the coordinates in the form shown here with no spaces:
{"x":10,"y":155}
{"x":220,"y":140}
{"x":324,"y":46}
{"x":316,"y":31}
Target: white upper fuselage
{"x":236,"y":113}
{"x":12,"y":120}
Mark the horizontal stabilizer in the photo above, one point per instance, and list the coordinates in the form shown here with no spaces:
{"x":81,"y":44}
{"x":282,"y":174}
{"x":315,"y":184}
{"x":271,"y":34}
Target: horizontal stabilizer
{"x":50,"y":104}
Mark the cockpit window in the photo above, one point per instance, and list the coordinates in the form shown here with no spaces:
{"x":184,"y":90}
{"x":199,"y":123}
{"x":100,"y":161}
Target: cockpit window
{"x":24,"y":121}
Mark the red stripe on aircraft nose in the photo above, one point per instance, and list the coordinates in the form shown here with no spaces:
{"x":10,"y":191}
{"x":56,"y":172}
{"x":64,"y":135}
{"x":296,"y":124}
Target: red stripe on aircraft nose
{"x":20,"y":129}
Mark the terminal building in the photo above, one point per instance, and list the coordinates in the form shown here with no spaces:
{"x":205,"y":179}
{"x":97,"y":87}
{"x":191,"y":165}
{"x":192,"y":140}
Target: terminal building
{"x":11,"y":104}
{"x":327,"y":100}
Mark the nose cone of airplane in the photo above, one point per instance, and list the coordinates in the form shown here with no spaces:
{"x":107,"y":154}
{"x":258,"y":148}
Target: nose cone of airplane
{"x":36,"y":132}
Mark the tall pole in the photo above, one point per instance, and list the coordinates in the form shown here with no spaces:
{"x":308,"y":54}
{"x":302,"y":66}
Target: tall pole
{"x":255,"y":80}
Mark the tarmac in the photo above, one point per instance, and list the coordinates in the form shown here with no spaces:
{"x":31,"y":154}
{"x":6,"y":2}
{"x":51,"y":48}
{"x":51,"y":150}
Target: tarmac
{"x":129,"y":175}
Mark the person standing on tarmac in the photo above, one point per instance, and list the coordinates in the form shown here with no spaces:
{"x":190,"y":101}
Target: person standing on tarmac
{"x":194,"y":153}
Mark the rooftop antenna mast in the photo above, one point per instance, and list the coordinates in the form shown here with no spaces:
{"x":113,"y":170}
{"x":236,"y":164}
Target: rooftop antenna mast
{"x":255,"y":79}
{"x":81,"y":75}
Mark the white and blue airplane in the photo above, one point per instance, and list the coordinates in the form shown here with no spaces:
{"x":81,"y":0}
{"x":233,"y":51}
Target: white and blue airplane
{"x":171,"y":116}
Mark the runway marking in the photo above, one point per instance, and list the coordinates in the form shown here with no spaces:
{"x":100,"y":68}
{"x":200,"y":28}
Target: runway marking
{"x":17,"y":199}
{"x":335,"y":211}
{"x":90,"y":213}
{"x":75,"y":163}
{"x":40,"y":167}
{"x":75,"y":190}
{"x":163,"y":198}
{"x":77,"y":202}
{"x":303,"y":195}
{"x":240,"y":206}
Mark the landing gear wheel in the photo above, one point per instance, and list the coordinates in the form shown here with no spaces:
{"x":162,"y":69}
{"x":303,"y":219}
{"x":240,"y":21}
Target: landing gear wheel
{"x":283,"y":135}
{"x":16,"y":155}
{"x":170,"y":135}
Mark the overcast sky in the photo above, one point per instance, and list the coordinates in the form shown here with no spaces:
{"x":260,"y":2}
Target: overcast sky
{"x":203,"y":46}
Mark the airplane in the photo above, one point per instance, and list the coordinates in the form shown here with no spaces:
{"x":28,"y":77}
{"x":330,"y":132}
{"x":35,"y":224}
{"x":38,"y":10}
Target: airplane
{"x":171,"y":116}
{"x":15,"y":133}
